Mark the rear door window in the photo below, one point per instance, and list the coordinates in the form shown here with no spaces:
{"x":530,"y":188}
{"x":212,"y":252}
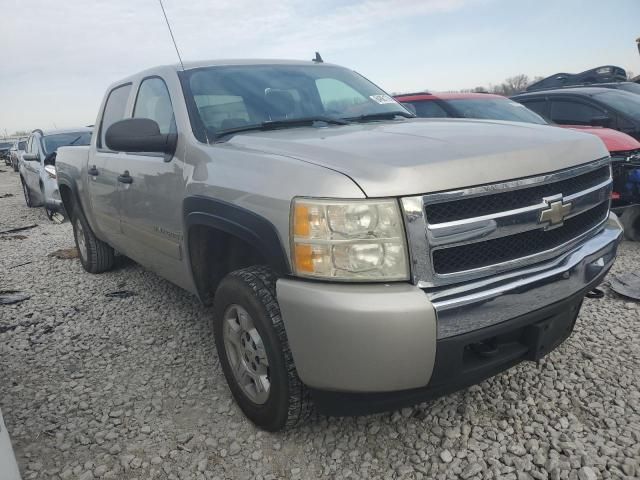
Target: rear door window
{"x":114,"y":110}
{"x":572,"y":112}
{"x":154,"y":102}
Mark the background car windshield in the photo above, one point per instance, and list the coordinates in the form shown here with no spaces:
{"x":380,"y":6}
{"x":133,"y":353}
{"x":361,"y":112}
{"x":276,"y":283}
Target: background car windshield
{"x":495,"y":109}
{"x":235,"y":96}
{"x":625,"y":102}
{"x":51,"y":143}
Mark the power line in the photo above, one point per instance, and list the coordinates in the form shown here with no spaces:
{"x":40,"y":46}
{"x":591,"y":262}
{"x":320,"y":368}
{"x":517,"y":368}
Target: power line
{"x":171,"y":33}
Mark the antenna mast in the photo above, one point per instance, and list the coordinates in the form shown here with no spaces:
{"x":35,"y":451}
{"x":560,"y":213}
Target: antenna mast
{"x":171,"y":33}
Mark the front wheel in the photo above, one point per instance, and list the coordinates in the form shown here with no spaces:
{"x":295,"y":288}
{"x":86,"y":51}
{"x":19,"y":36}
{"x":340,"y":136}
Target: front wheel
{"x":95,"y":255}
{"x":254,"y":351}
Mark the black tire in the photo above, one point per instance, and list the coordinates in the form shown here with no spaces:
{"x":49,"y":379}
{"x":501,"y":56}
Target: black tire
{"x":27,"y":194}
{"x":288,"y":403}
{"x":97,"y":256}
{"x":630,"y":219}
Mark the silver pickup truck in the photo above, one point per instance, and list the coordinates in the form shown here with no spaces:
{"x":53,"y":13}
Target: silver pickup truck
{"x":357,"y":259}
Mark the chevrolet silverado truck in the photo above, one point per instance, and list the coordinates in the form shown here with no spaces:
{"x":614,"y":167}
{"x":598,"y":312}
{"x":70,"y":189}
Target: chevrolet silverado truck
{"x":357,"y":259}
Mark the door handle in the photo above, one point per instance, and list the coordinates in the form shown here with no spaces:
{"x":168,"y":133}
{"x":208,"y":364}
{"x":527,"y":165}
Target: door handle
{"x":93,"y":171}
{"x":125,"y":177}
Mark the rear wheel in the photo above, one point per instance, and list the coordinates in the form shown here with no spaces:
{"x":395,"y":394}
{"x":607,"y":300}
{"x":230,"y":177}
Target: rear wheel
{"x":95,"y":255}
{"x":27,"y":193}
{"x":630,"y":219}
{"x":254,"y":351}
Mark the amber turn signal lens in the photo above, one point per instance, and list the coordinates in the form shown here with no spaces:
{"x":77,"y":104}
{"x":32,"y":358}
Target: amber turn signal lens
{"x":301,"y":226}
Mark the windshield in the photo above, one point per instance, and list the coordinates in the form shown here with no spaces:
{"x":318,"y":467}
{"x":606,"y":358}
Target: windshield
{"x":231,"y":97}
{"x":494,"y":109}
{"x":625,"y":102}
{"x":5,"y":145}
{"x":51,"y":143}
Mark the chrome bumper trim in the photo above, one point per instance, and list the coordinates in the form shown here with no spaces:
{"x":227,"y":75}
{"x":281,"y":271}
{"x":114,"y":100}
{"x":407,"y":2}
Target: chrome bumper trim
{"x":490,"y":301}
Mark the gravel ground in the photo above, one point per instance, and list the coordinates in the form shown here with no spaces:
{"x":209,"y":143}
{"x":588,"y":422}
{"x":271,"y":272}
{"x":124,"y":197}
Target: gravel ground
{"x":98,"y":387}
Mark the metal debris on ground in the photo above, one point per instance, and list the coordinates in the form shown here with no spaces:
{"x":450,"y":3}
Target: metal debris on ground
{"x":18,"y":229}
{"x":9,"y":297}
{"x":6,"y":195}
{"x":65,"y":253}
{"x":121,"y":294}
{"x":14,"y":237}
{"x":626,"y":284}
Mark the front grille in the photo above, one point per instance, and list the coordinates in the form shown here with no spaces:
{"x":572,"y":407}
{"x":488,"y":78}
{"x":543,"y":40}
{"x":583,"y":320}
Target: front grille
{"x":499,"y":202}
{"x":504,"y":249}
{"x":467,"y":234}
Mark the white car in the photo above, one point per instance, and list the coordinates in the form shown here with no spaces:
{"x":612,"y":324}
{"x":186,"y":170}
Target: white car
{"x":38,"y":171}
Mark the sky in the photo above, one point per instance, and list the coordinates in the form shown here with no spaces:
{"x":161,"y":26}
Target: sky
{"x":59,"y":57}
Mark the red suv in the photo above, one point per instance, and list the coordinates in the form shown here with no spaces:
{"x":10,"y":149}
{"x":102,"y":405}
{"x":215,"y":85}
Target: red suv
{"x":624,"y":149}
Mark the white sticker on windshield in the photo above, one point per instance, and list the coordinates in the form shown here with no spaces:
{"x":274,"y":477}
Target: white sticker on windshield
{"x":382,"y":99}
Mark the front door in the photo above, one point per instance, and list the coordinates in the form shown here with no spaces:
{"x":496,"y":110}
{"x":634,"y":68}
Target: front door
{"x":153,"y":189}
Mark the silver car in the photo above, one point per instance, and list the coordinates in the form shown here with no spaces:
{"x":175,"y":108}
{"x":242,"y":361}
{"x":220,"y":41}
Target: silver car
{"x":16,"y":152}
{"x":38,"y":171}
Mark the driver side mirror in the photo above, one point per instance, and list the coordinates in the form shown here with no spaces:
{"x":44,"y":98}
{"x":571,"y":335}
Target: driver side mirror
{"x":139,"y":135}
{"x":31,"y":157}
{"x":602,"y":121}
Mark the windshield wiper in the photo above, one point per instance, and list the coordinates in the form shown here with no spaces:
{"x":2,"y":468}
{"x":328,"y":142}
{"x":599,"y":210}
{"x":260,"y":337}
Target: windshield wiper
{"x":287,"y":122}
{"x":381,"y":116}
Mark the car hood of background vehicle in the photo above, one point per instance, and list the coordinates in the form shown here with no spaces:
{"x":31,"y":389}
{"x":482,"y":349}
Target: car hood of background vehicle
{"x":408,"y":157}
{"x":614,"y":140}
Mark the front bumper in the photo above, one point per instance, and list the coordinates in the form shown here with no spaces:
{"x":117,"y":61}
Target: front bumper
{"x":391,"y":338}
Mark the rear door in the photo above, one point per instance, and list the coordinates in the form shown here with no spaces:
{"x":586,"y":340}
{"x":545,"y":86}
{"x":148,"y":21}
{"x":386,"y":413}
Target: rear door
{"x":105,"y":165}
{"x":151,"y":211}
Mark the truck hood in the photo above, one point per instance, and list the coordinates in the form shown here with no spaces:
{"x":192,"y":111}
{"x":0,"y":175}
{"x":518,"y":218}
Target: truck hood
{"x":614,"y":140}
{"x":409,"y":157}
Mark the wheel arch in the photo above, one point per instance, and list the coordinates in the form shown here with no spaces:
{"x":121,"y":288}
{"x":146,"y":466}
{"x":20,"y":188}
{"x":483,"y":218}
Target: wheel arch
{"x":221,"y":237}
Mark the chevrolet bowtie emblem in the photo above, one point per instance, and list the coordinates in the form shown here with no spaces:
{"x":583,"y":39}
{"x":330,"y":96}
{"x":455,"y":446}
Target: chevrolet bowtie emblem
{"x":555,"y":212}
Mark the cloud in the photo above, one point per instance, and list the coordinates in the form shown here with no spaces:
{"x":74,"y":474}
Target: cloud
{"x":66,"y":53}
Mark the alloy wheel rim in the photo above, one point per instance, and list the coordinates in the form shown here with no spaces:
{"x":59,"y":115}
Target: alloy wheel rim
{"x":82,"y":245}
{"x":246,"y":354}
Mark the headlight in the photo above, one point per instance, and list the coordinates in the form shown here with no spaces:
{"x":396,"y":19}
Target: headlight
{"x":356,"y":240}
